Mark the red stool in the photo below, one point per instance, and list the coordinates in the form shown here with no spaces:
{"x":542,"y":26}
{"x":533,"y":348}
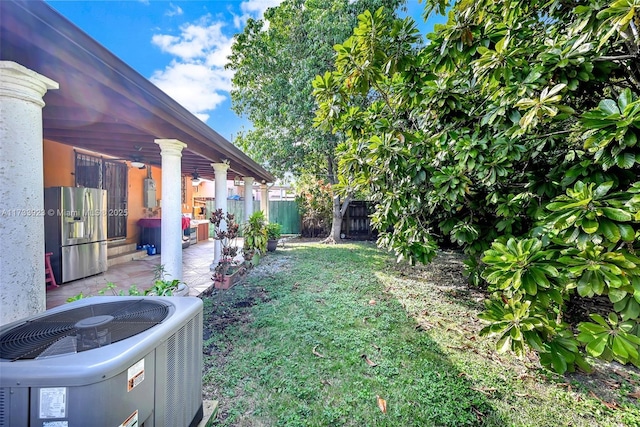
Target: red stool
{"x":49,"y":278}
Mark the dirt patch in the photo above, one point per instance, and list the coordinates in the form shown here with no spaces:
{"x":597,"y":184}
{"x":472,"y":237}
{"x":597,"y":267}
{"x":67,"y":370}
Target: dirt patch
{"x":232,"y":308}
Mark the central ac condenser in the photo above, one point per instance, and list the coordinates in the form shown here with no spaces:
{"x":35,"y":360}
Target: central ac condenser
{"x":104,"y":361}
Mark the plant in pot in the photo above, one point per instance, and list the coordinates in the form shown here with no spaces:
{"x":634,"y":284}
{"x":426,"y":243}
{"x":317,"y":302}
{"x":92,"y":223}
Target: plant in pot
{"x":255,"y":238}
{"x":273,"y":234}
{"x":228,"y":271}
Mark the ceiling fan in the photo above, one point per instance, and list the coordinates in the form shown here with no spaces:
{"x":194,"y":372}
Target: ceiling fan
{"x":135,"y":161}
{"x":195,"y":178}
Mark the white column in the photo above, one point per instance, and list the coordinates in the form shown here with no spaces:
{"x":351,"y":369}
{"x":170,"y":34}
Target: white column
{"x":171,"y":205}
{"x":248,"y":197}
{"x":22,"y":285}
{"x":264,"y":200}
{"x":220,"y":176}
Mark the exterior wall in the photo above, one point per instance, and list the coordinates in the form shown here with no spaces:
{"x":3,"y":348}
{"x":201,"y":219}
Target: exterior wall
{"x":58,"y":165}
{"x":187,"y":206}
{"x":135,"y":202}
{"x":281,"y":193}
{"x":206,"y":189}
{"x":58,"y":171}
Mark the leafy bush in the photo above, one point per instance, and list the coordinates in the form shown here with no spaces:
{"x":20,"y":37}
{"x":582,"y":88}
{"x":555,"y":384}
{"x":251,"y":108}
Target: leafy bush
{"x":255,"y":233}
{"x":273,"y":231}
{"x":514,"y":135}
{"x":314,"y":200}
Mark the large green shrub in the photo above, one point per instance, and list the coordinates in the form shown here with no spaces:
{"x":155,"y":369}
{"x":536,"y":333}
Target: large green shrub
{"x":514,"y":134}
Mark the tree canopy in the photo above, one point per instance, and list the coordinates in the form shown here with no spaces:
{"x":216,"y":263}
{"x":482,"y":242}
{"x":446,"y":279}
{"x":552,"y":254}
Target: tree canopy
{"x":512,"y":134}
{"x":275,"y":60}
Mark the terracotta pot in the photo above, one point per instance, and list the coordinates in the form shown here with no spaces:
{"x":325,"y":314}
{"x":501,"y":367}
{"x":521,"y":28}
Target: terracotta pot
{"x":228,"y":280}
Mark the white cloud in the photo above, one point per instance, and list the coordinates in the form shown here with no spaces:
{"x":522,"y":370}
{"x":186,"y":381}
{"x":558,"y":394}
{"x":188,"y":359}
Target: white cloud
{"x":196,"y":40}
{"x":197,"y":87}
{"x":258,"y":7}
{"x":253,"y":9}
{"x":174,"y":10}
{"x":196,"y":77}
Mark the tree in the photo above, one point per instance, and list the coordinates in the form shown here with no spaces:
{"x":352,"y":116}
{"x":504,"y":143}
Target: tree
{"x":275,"y":60}
{"x":513,"y":134}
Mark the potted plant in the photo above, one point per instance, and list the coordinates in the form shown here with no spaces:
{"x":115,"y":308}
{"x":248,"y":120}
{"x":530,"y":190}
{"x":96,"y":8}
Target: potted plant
{"x":273,"y":234}
{"x":255,"y":238}
{"x":228,"y":271}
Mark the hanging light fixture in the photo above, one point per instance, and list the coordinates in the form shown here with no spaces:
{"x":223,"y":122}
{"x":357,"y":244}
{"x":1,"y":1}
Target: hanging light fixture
{"x":137,"y":164}
{"x":195,"y":178}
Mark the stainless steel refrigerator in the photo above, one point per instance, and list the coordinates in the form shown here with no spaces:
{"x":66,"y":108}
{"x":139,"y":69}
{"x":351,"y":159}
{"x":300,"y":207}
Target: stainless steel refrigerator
{"x":76,"y":231}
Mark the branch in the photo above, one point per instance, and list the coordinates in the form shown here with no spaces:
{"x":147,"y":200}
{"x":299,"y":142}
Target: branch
{"x":345,"y":205}
{"x":546,"y":135}
{"x":634,"y":30}
{"x":615,"y":58}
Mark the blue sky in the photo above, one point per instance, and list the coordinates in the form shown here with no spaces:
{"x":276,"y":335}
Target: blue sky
{"x":181,"y":46}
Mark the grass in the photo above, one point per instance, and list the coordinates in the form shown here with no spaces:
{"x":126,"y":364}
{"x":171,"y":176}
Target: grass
{"x":291,"y":346}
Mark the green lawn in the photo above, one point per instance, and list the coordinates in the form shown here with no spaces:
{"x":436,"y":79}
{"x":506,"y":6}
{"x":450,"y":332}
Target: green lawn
{"x":293,"y":346}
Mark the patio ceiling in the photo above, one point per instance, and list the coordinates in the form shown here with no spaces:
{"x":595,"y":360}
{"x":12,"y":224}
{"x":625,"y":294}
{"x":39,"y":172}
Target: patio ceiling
{"x":103,"y":104}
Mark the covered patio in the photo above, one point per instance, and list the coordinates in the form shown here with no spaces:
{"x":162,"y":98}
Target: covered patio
{"x":140,"y":272}
{"x":57,"y":84}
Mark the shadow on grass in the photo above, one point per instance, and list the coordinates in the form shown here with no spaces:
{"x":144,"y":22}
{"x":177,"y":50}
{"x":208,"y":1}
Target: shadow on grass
{"x":438,"y":297}
{"x":312,"y":338}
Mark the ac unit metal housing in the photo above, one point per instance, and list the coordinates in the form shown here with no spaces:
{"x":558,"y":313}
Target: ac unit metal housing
{"x":151,"y":379}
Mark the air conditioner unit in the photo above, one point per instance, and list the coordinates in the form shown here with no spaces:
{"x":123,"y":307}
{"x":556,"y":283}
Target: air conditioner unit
{"x":104,"y":361}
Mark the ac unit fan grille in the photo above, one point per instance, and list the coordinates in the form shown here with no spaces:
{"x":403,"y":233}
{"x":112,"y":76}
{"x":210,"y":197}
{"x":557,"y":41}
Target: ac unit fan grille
{"x":39,"y":337}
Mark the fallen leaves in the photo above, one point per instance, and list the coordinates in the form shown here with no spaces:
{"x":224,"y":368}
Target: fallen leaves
{"x":315,"y":352}
{"x":635,"y":395}
{"x":484,"y":390}
{"x":610,"y":405}
{"x":382,"y":404}
{"x":369,"y":362}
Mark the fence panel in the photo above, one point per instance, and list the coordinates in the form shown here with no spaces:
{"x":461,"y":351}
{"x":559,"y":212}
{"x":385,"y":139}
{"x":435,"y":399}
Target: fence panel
{"x":235,"y":207}
{"x":287,"y":214}
{"x":284,"y":212}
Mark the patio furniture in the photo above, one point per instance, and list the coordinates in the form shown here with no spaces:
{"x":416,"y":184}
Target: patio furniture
{"x":49,"y":278}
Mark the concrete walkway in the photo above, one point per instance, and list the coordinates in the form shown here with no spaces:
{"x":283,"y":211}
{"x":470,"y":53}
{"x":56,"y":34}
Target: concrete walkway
{"x":196,"y":260}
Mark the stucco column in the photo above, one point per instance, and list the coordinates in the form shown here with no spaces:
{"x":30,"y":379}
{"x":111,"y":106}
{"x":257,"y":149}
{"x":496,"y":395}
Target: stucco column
{"x":264,"y":200}
{"x":220,"y":176}
{"x":22,"y":285}
{"x":171,"y":205}
{"x":248,"y":197}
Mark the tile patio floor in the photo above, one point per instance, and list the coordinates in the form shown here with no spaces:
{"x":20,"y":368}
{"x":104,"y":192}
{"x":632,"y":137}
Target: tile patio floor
{"x":196,"y":260}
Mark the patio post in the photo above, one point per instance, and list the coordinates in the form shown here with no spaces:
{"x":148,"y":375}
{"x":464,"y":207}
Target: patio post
{"x":248,"y":197}
{"x":264,"y":200}
{"x":171,"y":205}
{"x":220,"y":176}
{"x":22,"y":281}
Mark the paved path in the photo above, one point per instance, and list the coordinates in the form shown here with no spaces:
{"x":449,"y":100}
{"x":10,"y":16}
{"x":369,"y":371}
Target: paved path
{"x":196,"y":260}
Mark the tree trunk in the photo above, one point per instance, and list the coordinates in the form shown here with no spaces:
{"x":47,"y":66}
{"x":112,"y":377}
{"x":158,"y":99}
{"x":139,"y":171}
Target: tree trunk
{"x":339,"y":209}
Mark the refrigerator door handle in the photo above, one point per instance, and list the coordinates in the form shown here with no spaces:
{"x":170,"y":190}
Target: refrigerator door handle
{"x":88,"y":205}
